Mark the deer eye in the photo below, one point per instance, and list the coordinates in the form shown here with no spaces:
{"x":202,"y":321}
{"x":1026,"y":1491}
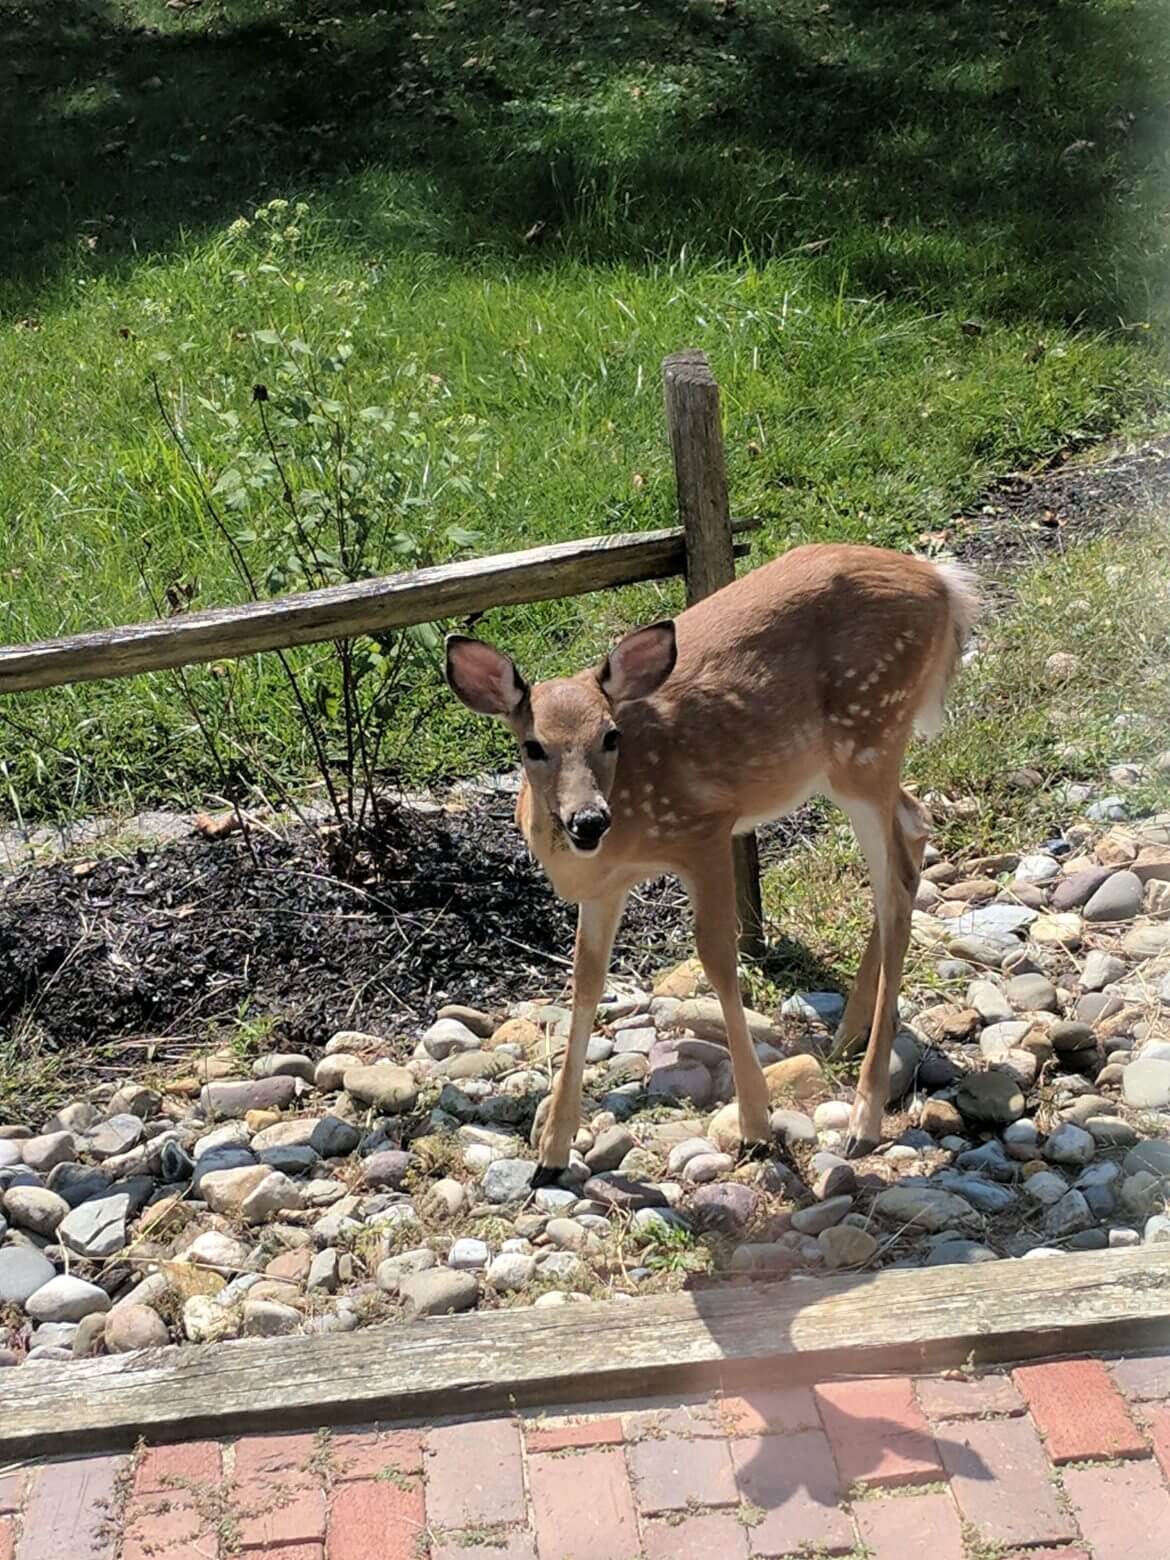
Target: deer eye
{"x":535,"y":752}
{"x":611,"y":740}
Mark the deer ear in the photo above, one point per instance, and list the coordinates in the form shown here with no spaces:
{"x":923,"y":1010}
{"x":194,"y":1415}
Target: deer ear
{"x":483,"y":677}
{"x":639,"y":664}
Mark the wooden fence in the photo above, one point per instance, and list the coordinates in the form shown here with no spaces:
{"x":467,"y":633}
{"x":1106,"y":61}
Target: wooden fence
{"x":703,"y":549}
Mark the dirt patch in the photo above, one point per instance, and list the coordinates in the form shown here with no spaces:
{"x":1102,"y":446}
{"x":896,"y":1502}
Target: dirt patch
{"x":1079,"y":496}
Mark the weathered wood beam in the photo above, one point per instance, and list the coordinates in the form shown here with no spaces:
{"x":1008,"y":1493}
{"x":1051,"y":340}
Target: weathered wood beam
{"x":448,"y":590}
{"x":898,"y":1321}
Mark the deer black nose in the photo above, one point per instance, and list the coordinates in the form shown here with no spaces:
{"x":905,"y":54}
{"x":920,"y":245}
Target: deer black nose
{"x":587,"y":826}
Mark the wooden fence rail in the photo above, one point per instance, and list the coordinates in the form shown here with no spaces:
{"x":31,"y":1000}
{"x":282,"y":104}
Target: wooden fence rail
{"x":448,"y":590}
{"x":703,"y":549}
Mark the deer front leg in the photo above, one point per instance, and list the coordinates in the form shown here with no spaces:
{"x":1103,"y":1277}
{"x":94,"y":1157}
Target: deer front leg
{"x":597,"y":922}
{"x":711,"y":886}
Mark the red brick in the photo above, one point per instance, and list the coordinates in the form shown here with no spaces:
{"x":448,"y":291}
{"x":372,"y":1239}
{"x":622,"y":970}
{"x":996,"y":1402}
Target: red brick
{"x":793,"y":1480}
{"x":366,"y":1454}
{"x":284,"y":1552}
{"x":280,"y":1498}
{"x":178,"y":1467}
{"x":375,"y":1517}
{"x":12,"y":1487}
{"x":687,"y":1419}
{"x":583,"y":1506}
{"x":158,"y":1525}
{"x":1079,"y":1411}
{"x":713,"y":1536}
{"x":1000,"y":1478}
{"x":975,"y":1397}
{"x":1124,"y":1512}
{"x":69,"y":1510}
{"x":258,"y":1456}
{"x":7,"y":1539}
{"x":1048,"y":1554}
{"x":775,"y":1410}
{"x":910,"y":1527}
{"x":670,"y":1474}
{"x":474,"y":1474}
{"x":1145,"y":1379}
{"x":513,"y":1545}
{"x":877,"y":1432}
{"x":563,"y":1438}
{"x":1157,"y":1419}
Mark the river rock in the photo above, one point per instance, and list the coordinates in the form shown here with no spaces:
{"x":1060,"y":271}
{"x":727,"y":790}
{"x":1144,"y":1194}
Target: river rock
{"x":206,"y":1321}
{"x":23,"y":1270}
{"x":130,"y":1327}
{"x":235,"y":1099}
{"x":1119,"y":898}
{"x":438,"y":1292}
{"x":384,"y":1087}
{"x":66,"y":1299}
{"x":1145,"y":1084}
{"x":49,"y":1149}
{"x":508,"y":1180}
{"x":447,"y":1036}
{"x":1069,"y":1145}
{"x":34,"y":1208}
{"x":276,"y":1193}
{"x":844,"y":1246}
{"x":794,"y":1078}
{"x":990,"y":1097}
{"x":98,"y":1228}
{"x":225,"y":1191}
{"x":703,"y":1016}
{"x":928,"y":1207}
{"x":386,"y":1170}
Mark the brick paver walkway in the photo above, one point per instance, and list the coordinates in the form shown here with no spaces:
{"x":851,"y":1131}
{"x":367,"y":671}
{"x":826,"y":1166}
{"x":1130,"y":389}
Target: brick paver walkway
{"x":1063,"y":1461}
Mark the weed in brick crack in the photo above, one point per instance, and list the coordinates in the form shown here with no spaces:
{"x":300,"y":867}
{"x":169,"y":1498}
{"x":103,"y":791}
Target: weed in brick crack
{"x":749,"y":1515}
{"x":396,"y":1477}
{"x":978,"y":1547}
{"x":320,"y":1460}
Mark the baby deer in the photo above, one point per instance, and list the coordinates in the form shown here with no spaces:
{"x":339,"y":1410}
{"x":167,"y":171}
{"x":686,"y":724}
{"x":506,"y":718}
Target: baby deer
{"x":807,"y":676}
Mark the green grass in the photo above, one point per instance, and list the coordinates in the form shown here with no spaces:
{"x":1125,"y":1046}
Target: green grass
{"x":818,"y":197}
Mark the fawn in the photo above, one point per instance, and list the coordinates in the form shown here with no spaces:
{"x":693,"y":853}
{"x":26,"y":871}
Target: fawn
{"x":805,"y":677}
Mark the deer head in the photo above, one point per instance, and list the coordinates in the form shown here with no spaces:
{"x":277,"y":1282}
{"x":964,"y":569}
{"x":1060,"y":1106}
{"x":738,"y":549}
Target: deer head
{"x":568,"y":729}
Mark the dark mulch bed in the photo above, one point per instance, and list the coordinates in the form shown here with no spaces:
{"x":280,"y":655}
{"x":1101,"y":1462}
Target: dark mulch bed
{"x":1027,"y":516}
{"x":174,"y":941}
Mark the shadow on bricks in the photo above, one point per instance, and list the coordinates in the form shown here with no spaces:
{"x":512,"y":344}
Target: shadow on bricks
{"x":798,"y":1451}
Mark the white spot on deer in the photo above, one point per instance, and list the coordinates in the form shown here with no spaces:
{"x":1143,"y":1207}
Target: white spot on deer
{"x":867,"y":755}
{"x":653,"y":831}
{"x":843,"y":750}
{"x":668,"y":817}
{"x":852,"y":672}
{"x":647,"y":787}
{"x":623,"y":793}
{"x":652,"y":756}
{"x":648,"y":808}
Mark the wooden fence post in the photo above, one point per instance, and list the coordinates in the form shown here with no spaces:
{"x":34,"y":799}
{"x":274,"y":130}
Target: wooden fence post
{"x":696,"y":442}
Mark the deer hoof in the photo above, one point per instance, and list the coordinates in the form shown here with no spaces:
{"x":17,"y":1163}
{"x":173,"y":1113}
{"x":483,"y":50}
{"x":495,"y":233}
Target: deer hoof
{"x":859,"y":1147}
{"x":547,"y":1175}
{"x":753,"y":1153}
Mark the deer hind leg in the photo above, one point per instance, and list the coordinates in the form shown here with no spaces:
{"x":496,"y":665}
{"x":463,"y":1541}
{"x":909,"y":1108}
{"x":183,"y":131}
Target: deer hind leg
{"x":857,"y":1021}
{"x":597,"y":922}
{"x":712,"y":893}
{"x":892,"y":835}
